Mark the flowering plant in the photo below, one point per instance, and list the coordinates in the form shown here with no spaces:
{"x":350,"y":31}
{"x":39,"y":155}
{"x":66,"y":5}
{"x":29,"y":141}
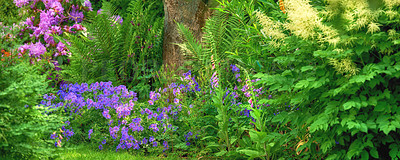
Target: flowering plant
{"x":50,"y":17}
{"x":113,"y":117}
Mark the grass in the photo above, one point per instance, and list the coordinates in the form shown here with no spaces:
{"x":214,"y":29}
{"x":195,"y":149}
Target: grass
{"x":88,"y":152}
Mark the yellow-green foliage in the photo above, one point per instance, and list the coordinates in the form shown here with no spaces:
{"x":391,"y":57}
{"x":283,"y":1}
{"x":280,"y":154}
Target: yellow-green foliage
{"x":339,"y":62}
{"x":271,"y":29}
{"x":344,"y":66}
{"x":303,"y":21}
{"x":306,"y":22}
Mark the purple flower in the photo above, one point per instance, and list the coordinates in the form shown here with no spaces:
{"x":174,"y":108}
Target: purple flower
{"x":53,"y":136}
{"x":234,"y":68}
{"x":57,"y":7}
{"x":136,"y":146}
{"x":187,"y":75}
{"x":88,"y":4}
{"x":78,"y":27}
{"x":237,"y":75}
{"x":144,"y":141}
{"x":99,"y":11}
{"x":21,"y":3}
{"x":165,"y":143}
{"x":247,"y":94}
{"x":176,"y":100}
{"x":90,"y":132}
{"x":155,"y":144}
{"x":151,"y":138}
{"x":100,"y":147}
{"x":104,"y":141}
{"x":154,"y":127}
{"x":106,"y":114}
{"x":75,"y":15}
{"x":37,"y":49}
{"x":136,"y":120}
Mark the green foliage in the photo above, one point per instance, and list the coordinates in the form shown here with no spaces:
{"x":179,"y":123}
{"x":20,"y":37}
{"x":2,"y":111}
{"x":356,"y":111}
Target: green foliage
{"x":24,"y":130}
{"x":9,"y":13}
{"x":126,"y":54}
{"x":348,"y":90}
{"x":226,"y":37}
{"x":123,"y":9}
{"x":10,"y":39}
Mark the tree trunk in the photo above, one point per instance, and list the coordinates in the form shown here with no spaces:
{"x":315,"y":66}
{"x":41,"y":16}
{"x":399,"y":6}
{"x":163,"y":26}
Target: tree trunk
{"x":191,"y":13}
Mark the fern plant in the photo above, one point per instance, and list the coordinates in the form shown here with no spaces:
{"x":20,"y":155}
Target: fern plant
{"x":222,"y":34}
{"x":124,"y":51}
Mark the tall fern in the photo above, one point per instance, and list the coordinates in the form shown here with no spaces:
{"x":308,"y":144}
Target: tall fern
{"x":223,"y":35}
{"x":126,"y":53}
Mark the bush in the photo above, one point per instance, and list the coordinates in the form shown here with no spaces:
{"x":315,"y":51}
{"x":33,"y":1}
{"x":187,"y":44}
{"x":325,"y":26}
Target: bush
{"x":24,"y":129}
{"x":342,"y":73}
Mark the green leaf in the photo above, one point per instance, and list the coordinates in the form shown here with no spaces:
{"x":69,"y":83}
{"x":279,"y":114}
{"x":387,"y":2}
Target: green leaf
{"x":251,"y":153}
{"x":306,"y":68}
{"x":372,"y":101}
{"x":396,"y":41}
{"x":348,"y":105}
{"x":394,"y":150}
{"x":374,"y":153}
{"x":386,"y":60}
{"x":221,"y":153}
{"x":301,"y":84}
{"x":355,"y":149}
{"x":332,"y":107}
{"x":364,"y":154}
{"x":320,"y":123}
{"x":363,"y":127}
{"x":382,"y":106}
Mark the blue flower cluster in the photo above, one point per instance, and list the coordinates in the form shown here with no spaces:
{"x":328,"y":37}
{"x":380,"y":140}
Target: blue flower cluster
{"x":141,"y":125}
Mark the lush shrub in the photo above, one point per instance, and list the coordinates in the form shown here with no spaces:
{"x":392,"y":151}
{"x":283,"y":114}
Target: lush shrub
{"x":9,"y":12}
{"x":11,"y":37}
{"x":49,"y":18}
{"x":337,"y":62}
{"x":124,"y":51}
{"x":24,"y":129}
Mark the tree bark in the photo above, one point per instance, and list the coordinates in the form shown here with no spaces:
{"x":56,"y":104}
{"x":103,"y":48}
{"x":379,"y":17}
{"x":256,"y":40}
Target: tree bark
{"x":191,"y":13}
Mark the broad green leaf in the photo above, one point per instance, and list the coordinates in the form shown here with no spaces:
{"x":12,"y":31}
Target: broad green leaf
{"x":374,"y":153}
{"x":394,"y":151}
{"x":251,"y":153}
{"x":364,"y":154}
{"x":355,"y":149}
{"x":363,"y":127}
{"x":301,"y":84}
{"x":320,"y":123}
{"x":372,"y":101}
{"x":382,"y":106}
{"x":221,"y":153}
{"x":306,"y":68}
{"x":332,"y":107}
{"x":348,"y":105}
